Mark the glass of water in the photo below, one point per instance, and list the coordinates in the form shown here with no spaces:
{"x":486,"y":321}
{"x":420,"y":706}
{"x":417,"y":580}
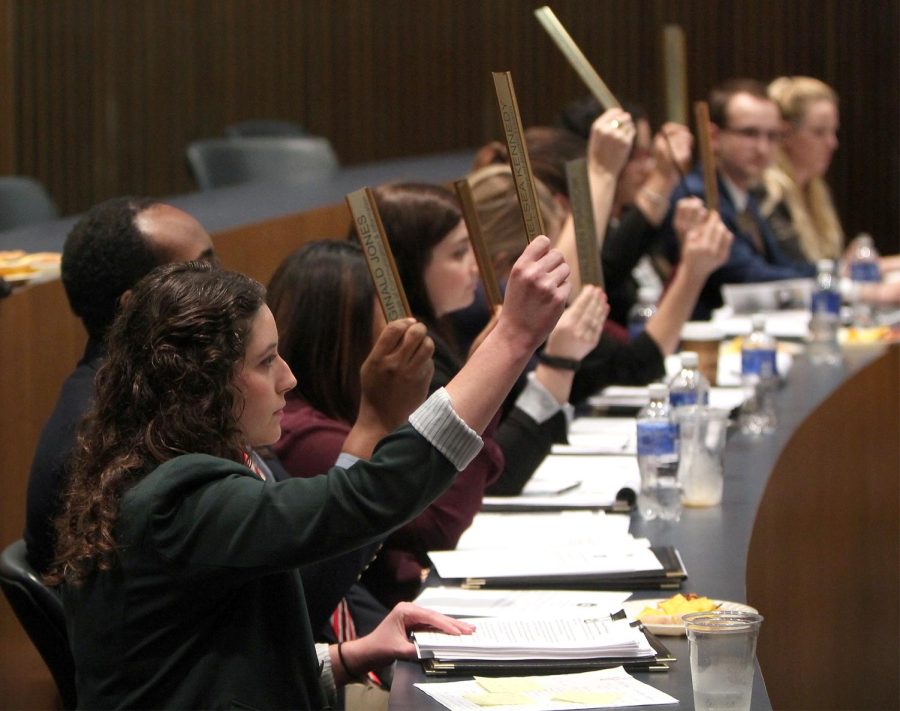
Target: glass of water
{"x":723,"y":658}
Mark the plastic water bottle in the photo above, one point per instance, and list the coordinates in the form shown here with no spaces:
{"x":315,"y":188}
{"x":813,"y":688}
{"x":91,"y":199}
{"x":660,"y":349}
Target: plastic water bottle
{"x":657,"y":453}
{"x":825,"y":317}
{"x":759,"y":377}
{"x":689,"y":386}
{"x":642,"y":311}
{"x":864,"y":269}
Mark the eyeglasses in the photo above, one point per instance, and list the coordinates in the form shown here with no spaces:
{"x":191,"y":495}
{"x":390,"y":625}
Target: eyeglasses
{"x":751,"y":133}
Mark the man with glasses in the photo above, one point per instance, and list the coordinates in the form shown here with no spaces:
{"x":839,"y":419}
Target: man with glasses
{"x":745,"y":131}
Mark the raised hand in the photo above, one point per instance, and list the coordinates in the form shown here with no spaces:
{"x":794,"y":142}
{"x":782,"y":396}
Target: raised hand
{"x":578,"y":330}
{"x":609,"y":144}
{"x":672,"y":147}
{"x":535,"y":295}
{"x":690,"y":212}
{"x":706,"y":247}
{"x":396,"y":375}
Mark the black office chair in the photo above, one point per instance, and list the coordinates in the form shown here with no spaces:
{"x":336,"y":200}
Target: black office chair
{"x":40,"y":612}
{"x":24,"y":201}
{"x":217,"y":162}
{"x":260,"y":128}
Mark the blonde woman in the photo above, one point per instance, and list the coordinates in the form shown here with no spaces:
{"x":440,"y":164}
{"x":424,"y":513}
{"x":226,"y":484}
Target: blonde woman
{"x":798,"y":203}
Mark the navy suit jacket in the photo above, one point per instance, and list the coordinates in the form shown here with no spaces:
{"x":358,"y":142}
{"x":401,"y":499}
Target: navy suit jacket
{"x":745,"y":265}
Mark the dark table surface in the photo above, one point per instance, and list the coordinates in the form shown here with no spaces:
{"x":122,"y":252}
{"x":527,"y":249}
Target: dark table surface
{"x":713,"y":542}
{"x":240,"y":205}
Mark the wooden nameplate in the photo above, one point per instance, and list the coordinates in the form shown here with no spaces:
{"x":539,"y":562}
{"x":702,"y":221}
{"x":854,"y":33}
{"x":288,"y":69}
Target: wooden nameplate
{"x":377,"y":251}
{"x":572,"y":52}
{"x":518,"y":155}
{"x":587,"y":243}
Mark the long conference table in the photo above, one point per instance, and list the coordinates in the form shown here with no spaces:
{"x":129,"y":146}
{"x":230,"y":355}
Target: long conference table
{"x":808,"y":530}
{"x":731,"y":552}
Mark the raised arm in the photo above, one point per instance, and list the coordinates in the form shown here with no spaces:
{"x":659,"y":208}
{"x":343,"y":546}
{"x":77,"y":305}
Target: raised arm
{"x":536,"y":294}
{"x":394,"y":379}
{"x":672,"y":152}
{"x":576,"y":335}
{"x":705,"y":246}
{"x":612,"y":134}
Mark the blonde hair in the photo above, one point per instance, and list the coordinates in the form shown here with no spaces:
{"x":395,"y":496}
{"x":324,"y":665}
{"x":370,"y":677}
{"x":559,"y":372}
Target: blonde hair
{"x":499,"y":213}
{"x":813,"y":216}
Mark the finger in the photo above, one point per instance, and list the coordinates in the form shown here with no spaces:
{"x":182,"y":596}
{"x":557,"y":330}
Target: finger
{"x":537,"y":248}
{"x":550,"y":261}
{"x":416,"y":617}
{"x":581,"y":307}
{"x":559,"y":275}
{"x":423,"y":353}
{"x":390,"y":337}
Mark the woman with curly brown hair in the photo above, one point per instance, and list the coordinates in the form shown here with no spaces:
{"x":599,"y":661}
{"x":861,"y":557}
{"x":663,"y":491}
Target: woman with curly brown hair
{"x":178,"y":561}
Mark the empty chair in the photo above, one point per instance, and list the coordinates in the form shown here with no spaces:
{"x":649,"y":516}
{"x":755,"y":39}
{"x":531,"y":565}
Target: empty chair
{"x":257,"y":128}
{"x":217,"y":162}
{"x":40,"y":612}
{"x":24,"y":201}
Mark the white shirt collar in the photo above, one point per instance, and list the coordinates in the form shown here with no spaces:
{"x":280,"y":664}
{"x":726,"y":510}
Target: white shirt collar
{"x":738,"y":197}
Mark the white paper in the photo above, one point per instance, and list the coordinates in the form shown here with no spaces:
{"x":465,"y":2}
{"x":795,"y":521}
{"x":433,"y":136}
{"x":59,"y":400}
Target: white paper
{"x":621,"y":396}
{"x":525,"y":563}
{"x":601,"y":477}
{"x":600,"y":435}
{"x":527,"y":530}
{"x":724,"y":397}
{"x":512,"y":639}
{"x":533,"y":604}
{"x":793,"y":324}
{"x":615,"y":686}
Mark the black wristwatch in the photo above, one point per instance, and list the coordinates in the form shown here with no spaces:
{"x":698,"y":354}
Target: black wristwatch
{"x":558,"y":362}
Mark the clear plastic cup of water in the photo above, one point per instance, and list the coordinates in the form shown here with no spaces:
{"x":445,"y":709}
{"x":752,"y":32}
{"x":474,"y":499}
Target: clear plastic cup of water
{"x":701,"y":450}
{"x":723,"y":658}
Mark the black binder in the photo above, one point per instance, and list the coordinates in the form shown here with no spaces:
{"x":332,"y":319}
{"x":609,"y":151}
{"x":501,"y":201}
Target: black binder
{"x":669,"y":578}
{"x":658,"y":662}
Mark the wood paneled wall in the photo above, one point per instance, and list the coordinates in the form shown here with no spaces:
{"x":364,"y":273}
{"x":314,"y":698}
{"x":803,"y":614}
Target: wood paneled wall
{"x":107,"y":93}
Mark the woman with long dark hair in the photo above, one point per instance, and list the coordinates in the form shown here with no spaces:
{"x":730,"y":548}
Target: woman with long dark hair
{"x":178,"y":561}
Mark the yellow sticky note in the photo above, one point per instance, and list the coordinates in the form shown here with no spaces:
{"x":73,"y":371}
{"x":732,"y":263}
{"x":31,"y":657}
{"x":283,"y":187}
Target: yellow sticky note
{"x":503,"y":699}
{"x":512,"y":684}
{"x":593,"y":698}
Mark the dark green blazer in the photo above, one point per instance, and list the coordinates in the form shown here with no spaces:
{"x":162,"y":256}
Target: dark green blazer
{"x":205,"y":607}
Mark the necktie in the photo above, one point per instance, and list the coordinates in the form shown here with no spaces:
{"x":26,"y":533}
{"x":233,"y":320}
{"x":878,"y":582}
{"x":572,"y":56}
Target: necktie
{"x":342,"y":622}
{"x":746,"y":223}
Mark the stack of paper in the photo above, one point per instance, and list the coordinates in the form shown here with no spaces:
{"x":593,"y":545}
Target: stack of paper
{"x":600,"y":435}
{"x":531,"y":604}
{"x":620,"y":396}
{"x":622,"y":565}
{"x":594,"y":529}
{"x":583,"y":481}
{"x":518,"y":639}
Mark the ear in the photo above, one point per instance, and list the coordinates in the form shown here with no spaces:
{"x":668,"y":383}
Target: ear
{"x":123,"y":298}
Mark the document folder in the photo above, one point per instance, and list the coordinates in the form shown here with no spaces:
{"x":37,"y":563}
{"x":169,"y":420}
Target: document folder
{"x":669,"y":577}
{"x":658,"y":662}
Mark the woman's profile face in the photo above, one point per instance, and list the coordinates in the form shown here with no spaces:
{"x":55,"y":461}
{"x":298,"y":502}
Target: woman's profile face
{"x":452,"y":273}
{"x":811,"y":144}
{"x":261,"y":380}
